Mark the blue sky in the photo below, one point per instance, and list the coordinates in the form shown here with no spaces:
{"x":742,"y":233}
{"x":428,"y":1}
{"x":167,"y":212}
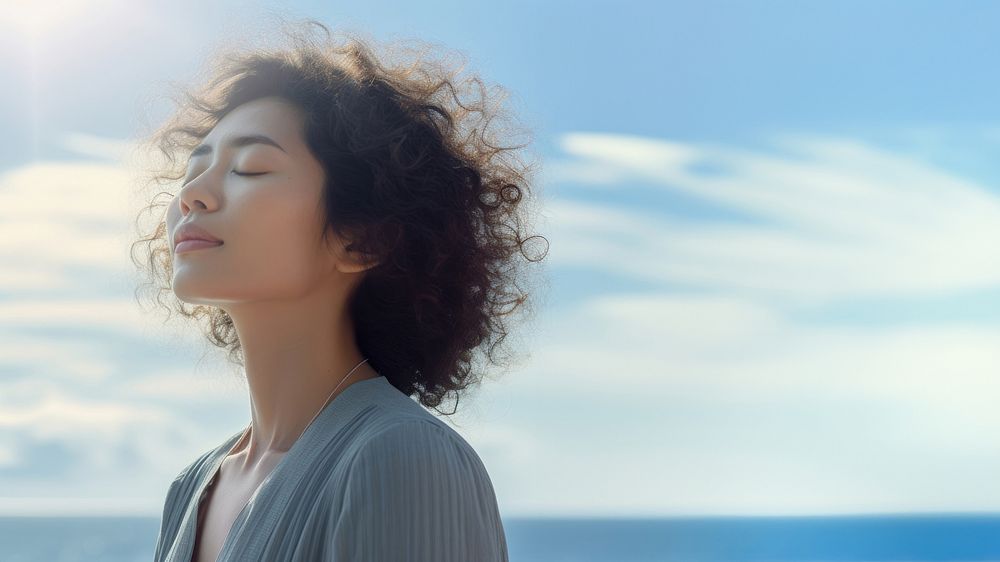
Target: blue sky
{"x":775,"y":286}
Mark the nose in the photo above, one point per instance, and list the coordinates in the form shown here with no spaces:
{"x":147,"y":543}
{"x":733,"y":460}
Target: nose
{"x":196,"y":194}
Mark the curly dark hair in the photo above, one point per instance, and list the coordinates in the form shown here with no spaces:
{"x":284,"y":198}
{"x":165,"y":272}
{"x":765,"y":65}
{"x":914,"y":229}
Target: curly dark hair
{"x":413,"y":175}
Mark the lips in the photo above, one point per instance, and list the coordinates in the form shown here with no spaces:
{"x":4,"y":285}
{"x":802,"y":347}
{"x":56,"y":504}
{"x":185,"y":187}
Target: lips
{"x":194,"y":244}
{"x":190,"y":232}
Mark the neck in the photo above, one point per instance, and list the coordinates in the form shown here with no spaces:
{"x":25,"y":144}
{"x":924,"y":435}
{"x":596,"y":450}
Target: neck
{"x":295,"y":359}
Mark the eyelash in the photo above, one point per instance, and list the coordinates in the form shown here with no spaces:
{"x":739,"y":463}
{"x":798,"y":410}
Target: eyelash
{"x":238,"y":174}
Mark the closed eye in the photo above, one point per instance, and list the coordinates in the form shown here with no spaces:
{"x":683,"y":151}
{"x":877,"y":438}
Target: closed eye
{"x":235,"y":172}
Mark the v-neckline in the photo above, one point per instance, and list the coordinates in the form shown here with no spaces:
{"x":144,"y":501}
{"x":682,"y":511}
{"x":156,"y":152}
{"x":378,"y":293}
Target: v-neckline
{"x":211,"y":485}
{"x":260,"y":487}
{"x":215,"y":475}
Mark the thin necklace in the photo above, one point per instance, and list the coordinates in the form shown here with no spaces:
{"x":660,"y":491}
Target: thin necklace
{"x":240,"y":441}
{"x":218,"y":467}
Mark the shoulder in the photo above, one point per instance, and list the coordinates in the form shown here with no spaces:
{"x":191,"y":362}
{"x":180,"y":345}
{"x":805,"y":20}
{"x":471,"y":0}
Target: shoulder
{"x":422,"y":469}
{"x":400,"y":430}
{"x":418,"y":463}
{"x":422,"y":479}
{"x":412,"y":444}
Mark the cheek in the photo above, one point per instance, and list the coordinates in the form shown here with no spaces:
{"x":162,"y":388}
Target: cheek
{"x":274,"y":214}
{"x":277,"y":235}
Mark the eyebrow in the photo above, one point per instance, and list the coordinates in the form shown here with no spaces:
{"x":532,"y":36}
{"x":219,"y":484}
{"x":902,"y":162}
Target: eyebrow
{"x":236,"y":142}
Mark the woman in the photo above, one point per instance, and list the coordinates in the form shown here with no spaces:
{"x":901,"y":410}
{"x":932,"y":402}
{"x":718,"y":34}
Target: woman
{"x":350,"y":233}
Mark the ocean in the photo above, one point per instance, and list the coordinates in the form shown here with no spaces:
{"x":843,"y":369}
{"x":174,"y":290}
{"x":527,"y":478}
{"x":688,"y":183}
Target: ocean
{"x":898,"y":538}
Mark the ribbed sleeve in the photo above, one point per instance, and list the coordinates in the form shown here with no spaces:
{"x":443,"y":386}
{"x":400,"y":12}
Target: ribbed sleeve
{"x":167,"y":518}
{"x":417,"y":492}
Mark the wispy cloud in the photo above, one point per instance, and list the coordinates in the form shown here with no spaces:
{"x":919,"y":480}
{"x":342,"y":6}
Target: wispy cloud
{"x":724,"y":385}
{"x":839,"y":219}
{"x":94,"y":146}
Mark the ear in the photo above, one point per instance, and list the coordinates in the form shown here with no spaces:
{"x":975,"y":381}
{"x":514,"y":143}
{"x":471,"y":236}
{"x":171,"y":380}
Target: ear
{"x":347,"y":259}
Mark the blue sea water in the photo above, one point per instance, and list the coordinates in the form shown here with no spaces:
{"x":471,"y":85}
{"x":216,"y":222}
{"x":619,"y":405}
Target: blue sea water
{"x":900,"y":538}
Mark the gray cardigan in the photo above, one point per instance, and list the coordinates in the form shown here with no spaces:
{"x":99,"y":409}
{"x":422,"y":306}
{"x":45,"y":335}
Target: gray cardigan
{"x":374,"y":478}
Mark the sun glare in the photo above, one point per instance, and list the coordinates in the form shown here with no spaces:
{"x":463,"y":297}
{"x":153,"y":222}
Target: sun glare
{"x":43,"y":19}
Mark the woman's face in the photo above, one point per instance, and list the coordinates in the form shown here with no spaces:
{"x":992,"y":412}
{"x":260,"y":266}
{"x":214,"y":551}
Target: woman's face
{"x":269,"y":223}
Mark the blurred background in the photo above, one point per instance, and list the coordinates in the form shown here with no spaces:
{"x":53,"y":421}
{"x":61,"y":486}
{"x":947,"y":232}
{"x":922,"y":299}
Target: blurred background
{"x":774,"y":275}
